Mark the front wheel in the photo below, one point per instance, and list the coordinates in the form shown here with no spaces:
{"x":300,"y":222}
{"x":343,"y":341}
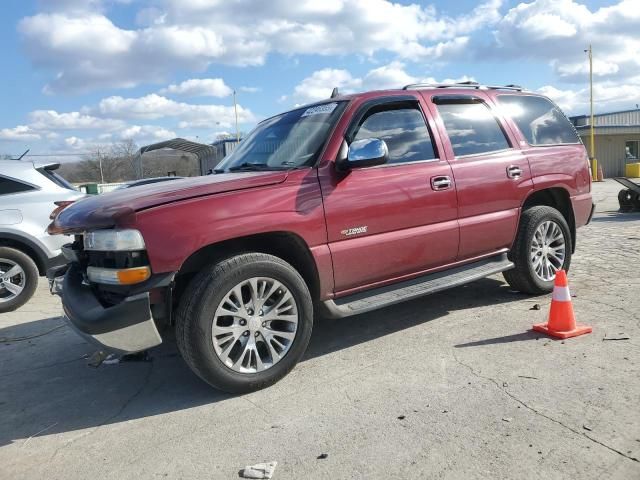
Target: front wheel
{"x":18,"y":278}
{"x":245,"y":322}
{"x":542,"y":247}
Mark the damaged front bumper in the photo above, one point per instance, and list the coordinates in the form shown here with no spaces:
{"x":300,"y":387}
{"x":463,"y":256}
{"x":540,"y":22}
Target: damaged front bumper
{"x":126,"y":327}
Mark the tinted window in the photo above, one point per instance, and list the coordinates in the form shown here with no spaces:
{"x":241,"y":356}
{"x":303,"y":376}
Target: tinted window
{"x":11,"y":186}
{"x":472,"y":128}
{"x":404,"y":132}
{"x":539,"y":120}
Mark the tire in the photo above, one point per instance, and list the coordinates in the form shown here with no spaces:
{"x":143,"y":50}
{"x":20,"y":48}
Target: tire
{"x":26,"y":280}
{"x":523,"y":276}
{"x":625,"y":197}
{"x":635,"y":200}
{"x":211,"y":293}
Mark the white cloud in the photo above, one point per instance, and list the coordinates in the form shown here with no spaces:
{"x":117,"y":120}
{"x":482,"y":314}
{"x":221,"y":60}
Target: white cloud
{"x":559,"y":31}
{"x":19,"y":133}
{"x":250,"y":89}
{"x":74,"y":143}
{"x":199,"y":87}
{"x":608,"y":96}
{"x":320,"y":83}
{"x":115,"y":118}
{"x":154,"y":106}
{"x":87,"y":50}
{"x":147,"y":133}
{"x":392,"y":75}
{"x":52,"y":120}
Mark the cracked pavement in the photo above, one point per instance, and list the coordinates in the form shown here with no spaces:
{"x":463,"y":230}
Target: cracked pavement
{"x":481,"y":396}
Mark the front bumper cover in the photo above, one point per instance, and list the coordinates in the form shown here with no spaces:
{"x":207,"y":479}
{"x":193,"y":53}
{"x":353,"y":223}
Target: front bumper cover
{"x":127,"y":327}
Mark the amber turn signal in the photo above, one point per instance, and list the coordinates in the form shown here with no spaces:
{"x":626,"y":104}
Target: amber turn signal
{"x":111,"y":276}
{"x":133,"y":275}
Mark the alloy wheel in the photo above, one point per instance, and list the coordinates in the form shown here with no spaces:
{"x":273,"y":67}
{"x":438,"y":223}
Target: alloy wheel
{"x":255,"y":325}
{"x":548,"y":249}
{"x":12,"y":280}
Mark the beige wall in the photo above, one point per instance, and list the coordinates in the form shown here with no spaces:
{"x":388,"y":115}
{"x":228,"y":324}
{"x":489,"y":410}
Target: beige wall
{"x":610,"y":151}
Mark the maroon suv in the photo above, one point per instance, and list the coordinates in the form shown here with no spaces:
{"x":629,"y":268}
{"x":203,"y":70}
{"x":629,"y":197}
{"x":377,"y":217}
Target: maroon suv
{"x":339,"y":207}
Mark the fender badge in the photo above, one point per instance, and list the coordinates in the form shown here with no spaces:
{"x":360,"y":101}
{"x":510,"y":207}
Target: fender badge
{"x":354,"y":231}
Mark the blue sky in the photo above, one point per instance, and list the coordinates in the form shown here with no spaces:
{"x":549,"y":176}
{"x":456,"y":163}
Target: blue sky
{"x":79,"y":74}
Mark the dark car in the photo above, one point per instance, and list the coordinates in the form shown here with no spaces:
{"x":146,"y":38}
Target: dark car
{"x":339,"y":207}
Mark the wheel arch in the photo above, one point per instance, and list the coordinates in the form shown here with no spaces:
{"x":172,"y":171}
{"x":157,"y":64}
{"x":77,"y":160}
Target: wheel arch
{"x":288,"y":246}
{"x":558,"y":198}
{"x":26,"y":246}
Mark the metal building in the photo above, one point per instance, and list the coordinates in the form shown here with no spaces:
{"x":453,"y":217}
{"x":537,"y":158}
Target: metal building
{"x":220,"y":149}
{"x":208,"y":155}
{"x":617,"y":138}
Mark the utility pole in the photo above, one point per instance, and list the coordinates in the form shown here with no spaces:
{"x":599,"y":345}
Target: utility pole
{"x":100,"y":165}
{"x":235,"y":107}
{"x":592,"y":142}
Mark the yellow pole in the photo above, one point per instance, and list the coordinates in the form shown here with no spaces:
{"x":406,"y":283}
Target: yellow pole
{"x":592,"y":147}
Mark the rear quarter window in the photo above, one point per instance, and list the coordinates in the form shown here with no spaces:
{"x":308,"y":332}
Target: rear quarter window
{"x":540,"y":121}
{"x":8,"y":186}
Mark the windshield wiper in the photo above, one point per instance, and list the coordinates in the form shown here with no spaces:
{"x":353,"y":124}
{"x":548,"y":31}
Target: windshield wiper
{"x":251,"y":167}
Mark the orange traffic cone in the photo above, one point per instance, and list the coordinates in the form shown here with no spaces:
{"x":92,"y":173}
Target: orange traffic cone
{"x":562,"y":321}
{"x":600,"y":174}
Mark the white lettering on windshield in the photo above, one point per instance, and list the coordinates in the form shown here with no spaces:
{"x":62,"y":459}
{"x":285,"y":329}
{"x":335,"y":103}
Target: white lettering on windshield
{"x":320,"y":109}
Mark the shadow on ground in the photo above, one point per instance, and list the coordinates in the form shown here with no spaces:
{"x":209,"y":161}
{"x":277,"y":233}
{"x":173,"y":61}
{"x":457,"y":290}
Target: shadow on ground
{"x":47,"y":384}
{"x":616,"y":217}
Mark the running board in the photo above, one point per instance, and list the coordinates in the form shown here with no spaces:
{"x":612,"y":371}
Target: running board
{"x":399,"y":292}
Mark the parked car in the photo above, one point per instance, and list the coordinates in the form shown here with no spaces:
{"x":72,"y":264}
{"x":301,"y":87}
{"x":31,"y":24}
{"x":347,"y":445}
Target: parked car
{"x":28,"y":195}
{"x":338,"y":208}
{"x":146,"y":181}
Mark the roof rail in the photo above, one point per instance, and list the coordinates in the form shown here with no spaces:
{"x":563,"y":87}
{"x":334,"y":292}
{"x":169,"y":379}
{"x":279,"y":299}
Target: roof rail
{"x":468,"y":84}
{"x":441,"y":85}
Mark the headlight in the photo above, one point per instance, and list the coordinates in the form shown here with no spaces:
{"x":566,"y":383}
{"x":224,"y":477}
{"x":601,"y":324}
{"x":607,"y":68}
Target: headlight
{"x":114,"y":240}
{"x":125,"y":276}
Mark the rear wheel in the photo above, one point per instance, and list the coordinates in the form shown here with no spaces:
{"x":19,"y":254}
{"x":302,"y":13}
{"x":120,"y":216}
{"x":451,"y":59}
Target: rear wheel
{"x":542,"y":247}
{"x":635,"y":200}
{"x":244,"y":323}
{"x":18,"y":278}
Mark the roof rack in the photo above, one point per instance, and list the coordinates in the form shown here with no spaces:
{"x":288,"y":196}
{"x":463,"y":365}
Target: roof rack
{"x":468,"y":84}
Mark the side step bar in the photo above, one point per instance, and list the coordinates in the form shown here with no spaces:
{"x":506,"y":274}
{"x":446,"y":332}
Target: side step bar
{"x":383,"y":296}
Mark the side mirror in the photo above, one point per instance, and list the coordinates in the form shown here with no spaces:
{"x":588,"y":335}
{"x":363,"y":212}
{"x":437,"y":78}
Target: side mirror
{"x":367,"y":152}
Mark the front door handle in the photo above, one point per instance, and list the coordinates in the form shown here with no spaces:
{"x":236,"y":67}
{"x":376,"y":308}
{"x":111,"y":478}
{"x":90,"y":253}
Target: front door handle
{"x":441,"y":183}
{"x":513,"y":171}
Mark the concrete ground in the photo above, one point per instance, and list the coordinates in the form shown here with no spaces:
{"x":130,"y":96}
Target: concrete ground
{"x":449,"y":386}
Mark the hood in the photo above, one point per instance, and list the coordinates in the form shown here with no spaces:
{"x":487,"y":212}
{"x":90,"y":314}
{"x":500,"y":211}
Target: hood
{"x":108,"y":209}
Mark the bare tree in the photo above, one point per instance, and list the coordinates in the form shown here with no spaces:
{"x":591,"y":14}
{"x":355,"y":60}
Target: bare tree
{"x":104,"y":164}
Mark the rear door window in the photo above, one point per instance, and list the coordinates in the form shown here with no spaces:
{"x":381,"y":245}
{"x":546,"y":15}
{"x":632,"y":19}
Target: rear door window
{"x":471,"y":126}
{"x":403,"y":130}
{"x":7,"y":186}
{"x":540,"y":121}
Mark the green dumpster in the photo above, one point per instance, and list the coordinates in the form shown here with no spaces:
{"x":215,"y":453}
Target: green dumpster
{"x":90,"y":188}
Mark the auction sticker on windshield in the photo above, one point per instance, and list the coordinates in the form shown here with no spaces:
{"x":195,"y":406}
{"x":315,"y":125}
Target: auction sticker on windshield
{"x":320,"y":109}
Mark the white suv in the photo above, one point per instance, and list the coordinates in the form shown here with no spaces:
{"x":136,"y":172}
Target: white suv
{"x":28,"y":195}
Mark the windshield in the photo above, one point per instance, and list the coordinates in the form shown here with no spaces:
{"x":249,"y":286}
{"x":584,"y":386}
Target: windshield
{"x":293,"y":139}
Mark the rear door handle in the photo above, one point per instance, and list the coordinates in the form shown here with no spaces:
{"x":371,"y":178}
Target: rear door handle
{"x":441,"y":182}
{"x":513,"y":171}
